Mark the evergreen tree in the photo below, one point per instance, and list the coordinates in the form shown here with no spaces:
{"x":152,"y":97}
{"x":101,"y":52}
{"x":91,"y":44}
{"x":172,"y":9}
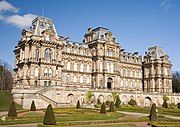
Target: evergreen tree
{"x":111,"y":108}
{"x":78,"y":105}
{"x":49,"y":118}
{"x":98,"y":101}
{"x":118,"y":102}
{"x":153,"y":113}
{"x":33,"y":107}
{"x":165,"y":104}
{"x":178,"y":105}
{"x":165,"y":99}
{"x":12,"y":110}
{"x":103,"y":108}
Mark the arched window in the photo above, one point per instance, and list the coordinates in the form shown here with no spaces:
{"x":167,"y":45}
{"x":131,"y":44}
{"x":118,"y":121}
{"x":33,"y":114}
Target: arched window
{"x":88,"y":80}
{"x":81,"y":79}
{"x":81,"y":68}
{"x":68,"y":66}
{"x":47,"y":72}
{"x":37,"y":55}
{"x":75,"y":66}
{"x":48,"y":55}
{"x":68,"y":79}
{"x":36,"y":72}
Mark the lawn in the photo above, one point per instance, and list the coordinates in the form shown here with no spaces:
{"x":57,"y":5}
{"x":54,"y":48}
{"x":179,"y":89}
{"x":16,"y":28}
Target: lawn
{"x":84,"y":117}
{"x":65,"y":116}
{"x":5,"y":101}
{"x":161,"y":111}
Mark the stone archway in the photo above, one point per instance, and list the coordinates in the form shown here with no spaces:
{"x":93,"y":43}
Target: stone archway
{"x":124,"y":99}
{"x":71,"y":99}
{"x":109,"y":83}
{"x":147,"y":102}
{"x":101,"y":98}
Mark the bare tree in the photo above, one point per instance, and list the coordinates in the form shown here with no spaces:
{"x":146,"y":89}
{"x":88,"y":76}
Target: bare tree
{"x":176,"y":82}
{"x":6,"y":79}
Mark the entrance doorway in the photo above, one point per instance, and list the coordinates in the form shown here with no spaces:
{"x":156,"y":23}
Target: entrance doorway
{"x":109,"y":83}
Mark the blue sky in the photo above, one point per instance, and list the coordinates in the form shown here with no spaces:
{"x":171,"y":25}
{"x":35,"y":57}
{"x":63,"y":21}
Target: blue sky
{"x":137,"y":24}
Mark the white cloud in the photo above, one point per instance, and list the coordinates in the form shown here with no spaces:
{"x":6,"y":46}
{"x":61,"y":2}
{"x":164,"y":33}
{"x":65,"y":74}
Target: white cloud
{"x":20,"y":21}
{"x":166,"y":4}
{"x":5,"y":6}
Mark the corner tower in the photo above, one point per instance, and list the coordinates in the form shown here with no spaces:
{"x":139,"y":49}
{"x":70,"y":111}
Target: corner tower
{"x":38,"y":55}
{"x":157,"y":71}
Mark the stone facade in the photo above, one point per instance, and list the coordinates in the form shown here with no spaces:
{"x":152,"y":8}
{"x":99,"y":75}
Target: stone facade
{"x":52,"y":69}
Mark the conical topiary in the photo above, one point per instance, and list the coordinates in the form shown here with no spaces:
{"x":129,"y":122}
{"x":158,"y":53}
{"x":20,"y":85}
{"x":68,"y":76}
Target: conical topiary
{"x":111,"y":108}
{"x":103,"y":108}
{"x":33,"y":107}
{"x":12,"y":110}
{"x":165,"y":104}
{"x":78,"y":105}
{"x":178,"y":105}
{"x":118,"y":102}
{"x":49,"y":118}
{"x":153,"y":113}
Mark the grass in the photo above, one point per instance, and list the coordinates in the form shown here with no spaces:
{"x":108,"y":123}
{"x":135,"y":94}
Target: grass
{"x":161,"y":111}
{"x":5,"y":101}
{"x":64,"y":116}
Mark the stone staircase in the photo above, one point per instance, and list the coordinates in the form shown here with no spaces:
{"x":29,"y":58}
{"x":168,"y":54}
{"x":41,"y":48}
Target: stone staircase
{"x":55,"y":104}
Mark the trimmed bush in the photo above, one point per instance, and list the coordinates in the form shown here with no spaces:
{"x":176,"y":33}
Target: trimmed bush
{"x":78,"y":105}
{"x":103,"y":108}
{"x":12,"y":110}
{"x":153,"y":113}
{"x":98,"y":101}
{"x":107,"y":103}
{"x":111,"y":108}
{"x":118,"y":102}
{"x":132,"y":102}
{"x":33,"y":107}
{"x":49,"y":118}
{"x":165,"y":104}
{"x":178,"y":105}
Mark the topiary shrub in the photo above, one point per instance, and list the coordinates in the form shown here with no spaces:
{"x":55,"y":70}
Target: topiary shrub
{"x":107,"y":103}
{"x":103,"y":108}
{"x":33,"y":107}
{"x":118,"y":102}
{"x":12,"y":110}
{"x":178,"y":105}
{"x":165,"y":99}
{"x":165,"y":104}
{"x":49,"y":118}
{"x":78,"y":105}
{"x":111,"y":108}
{"x":132,"y":102}
{"x":98,"y":101}
{"x":153,"y":113}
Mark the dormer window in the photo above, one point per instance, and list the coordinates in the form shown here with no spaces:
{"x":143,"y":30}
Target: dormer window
{"x":102,"y":37}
